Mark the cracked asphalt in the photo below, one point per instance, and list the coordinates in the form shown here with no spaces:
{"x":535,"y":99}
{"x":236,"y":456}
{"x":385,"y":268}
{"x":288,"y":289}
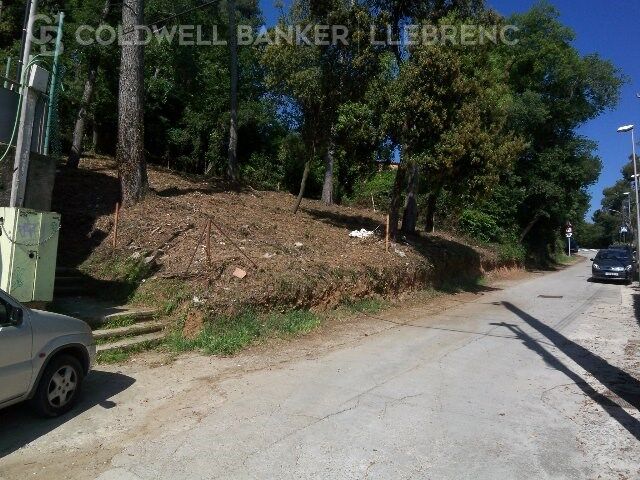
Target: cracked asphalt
{"x":538,"y":379}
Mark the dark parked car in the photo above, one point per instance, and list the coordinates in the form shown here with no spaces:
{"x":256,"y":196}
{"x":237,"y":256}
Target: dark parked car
{"x":613,"y":264}
{"x":625,"y":248}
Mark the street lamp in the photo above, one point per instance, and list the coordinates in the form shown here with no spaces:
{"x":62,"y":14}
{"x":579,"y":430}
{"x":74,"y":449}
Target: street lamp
{"x":625,"y":129}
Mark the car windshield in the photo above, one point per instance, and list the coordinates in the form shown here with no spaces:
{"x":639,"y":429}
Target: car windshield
{"x":613,"y":255}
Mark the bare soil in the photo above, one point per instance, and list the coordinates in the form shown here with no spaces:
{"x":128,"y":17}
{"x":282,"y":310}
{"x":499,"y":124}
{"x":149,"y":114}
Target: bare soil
{"x":306,"y":260}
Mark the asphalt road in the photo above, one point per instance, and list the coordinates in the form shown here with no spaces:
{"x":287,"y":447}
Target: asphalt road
{"x":538,"y":380}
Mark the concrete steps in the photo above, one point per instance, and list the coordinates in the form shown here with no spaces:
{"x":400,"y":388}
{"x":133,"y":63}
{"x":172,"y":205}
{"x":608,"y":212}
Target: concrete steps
{"x":73,"y":297}
{"x":132,"y":343}
{"x":129,"y":331}
{"x":71,"y":282}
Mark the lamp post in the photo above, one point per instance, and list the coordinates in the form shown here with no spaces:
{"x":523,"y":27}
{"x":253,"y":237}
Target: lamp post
{"x":626,"y":210}
{"x":625,"y":129}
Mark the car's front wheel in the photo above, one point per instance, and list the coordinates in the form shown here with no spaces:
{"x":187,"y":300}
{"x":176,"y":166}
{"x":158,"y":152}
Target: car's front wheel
{"x":59,"y":386}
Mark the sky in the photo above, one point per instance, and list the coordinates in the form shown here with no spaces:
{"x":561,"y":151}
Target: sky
{"x":608,"y":28}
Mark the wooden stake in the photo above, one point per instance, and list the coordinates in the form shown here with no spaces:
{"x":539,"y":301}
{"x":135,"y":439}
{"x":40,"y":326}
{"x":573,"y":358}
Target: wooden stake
{"x":204,"y":230}
{"x":209,"y":243}
{"x":386,"y":237}
{"x":115,"y":225}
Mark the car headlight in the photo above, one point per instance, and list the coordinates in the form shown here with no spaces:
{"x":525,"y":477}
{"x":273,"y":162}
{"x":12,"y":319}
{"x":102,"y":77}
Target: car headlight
{"x":596,"y":266}
{"x":629,"y":268}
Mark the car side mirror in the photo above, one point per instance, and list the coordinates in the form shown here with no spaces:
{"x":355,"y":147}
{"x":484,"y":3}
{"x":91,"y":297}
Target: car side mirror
{"x":592,"y":259}
{"x":16,"y":316}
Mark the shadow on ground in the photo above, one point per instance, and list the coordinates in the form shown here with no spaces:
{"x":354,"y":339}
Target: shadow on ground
{"x":81,"y":196}
{"x":619,"y":382}
{"x":20,"y":426}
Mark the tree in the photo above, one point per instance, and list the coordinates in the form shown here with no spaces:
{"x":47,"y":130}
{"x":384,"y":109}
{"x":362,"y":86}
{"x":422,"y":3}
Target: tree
{"x":453,"y":125}
{"x":555,"y":90}
{"x":87,"y":96}
{"x":232,"y":167}
{"x":312,"y":82}
{"x":132,"y":169}
{"x":398,"y":13}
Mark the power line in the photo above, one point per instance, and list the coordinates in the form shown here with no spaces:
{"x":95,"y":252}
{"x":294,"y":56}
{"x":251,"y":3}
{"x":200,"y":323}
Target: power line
{"x":175,"y":15}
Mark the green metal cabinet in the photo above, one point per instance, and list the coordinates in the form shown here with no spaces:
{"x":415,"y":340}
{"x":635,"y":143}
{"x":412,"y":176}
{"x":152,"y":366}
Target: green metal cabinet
{"x":28,"y":251}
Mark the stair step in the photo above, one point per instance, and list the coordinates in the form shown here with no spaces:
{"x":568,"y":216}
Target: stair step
{"x":138,"y":315}
{"x":132,"y":342}
{"x":135,"y":329}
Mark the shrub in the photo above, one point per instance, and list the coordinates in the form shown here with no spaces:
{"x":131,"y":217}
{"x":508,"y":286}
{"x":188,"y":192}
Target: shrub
{"x":480,"y":226}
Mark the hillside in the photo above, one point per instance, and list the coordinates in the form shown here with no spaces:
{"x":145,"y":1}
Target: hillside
{"x":302,"y":261}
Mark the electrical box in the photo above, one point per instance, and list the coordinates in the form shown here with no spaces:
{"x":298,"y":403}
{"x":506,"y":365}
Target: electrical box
{"x":38,"y":79}
{"x":28,"y":251}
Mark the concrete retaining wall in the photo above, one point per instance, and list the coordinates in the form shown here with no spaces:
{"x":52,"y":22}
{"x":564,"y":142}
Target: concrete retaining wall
{"x":40,"y":180}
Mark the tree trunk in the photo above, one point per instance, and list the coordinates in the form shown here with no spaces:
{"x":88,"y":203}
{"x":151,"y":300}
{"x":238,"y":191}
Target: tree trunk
{"x":78,"y":132}
{"x":81,"y":117}
{"x":94,"y":137}
{"x":396,"y":198}
{"x":429,"y":221}
{"x":232,"y":166}
{"x":132,"y":168}
{"x":528,"y":228}
{"x":327,"y":187}
{"x":410,"y":217}
{"x":303,"y":185}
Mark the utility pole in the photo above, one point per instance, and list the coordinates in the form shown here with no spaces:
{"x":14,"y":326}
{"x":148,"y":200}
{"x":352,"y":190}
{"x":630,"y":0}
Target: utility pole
{"x":25,"y":26}
{"x":25,"y":127}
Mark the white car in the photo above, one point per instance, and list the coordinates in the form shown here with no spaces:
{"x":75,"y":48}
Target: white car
{"x":43,"y":357}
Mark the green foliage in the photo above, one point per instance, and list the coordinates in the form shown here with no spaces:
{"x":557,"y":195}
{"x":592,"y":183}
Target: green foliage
{"x":480,"y":226}
{"x":492,"y":129}
{"x":119,"y":322}
{"x":510,"y":250}
{"x":378,"y":187}
{"x":228,"y":335}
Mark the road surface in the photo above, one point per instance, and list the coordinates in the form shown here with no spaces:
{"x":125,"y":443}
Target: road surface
{"x":535,"y":380}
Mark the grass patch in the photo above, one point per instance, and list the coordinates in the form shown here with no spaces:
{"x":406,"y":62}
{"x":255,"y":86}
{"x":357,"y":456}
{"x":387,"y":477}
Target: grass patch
{"x":118,"y":322}
{"x":113,"y":356}
{"x":165,"y":294}
{"x":564,"y":259}
{"x":365,"y":305}
{"x":120,"y":355}
{"x":228,"y":335}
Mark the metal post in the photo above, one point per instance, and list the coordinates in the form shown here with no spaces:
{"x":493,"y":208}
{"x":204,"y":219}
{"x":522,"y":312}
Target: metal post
{"x":7,"y":72}
{"x":635,"y":172}
{"x":25,"y":127}
{"x":23,"y":41}
{"x":52,"y":86}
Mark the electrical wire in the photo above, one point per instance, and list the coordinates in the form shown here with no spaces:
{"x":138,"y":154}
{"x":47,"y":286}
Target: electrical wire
{"x":175,"y":15}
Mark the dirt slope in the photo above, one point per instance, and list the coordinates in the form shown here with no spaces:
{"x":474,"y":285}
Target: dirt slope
{"x":306,"y":260}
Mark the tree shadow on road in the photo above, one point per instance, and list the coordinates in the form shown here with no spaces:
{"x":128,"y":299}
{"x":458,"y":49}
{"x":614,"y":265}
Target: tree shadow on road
{"x":20,"y":426}
{"x":619,"y":382}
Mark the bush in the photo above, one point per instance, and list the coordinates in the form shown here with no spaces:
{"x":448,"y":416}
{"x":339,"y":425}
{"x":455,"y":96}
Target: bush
{"x":480,"y":226}
{"x":512,"y":251}
{"x":379,"y":186}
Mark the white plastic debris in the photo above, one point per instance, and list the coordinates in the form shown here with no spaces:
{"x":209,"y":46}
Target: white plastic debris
{"x":298,"y":245}
{"x":364,"y":233}
{"x":400,"y":253}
